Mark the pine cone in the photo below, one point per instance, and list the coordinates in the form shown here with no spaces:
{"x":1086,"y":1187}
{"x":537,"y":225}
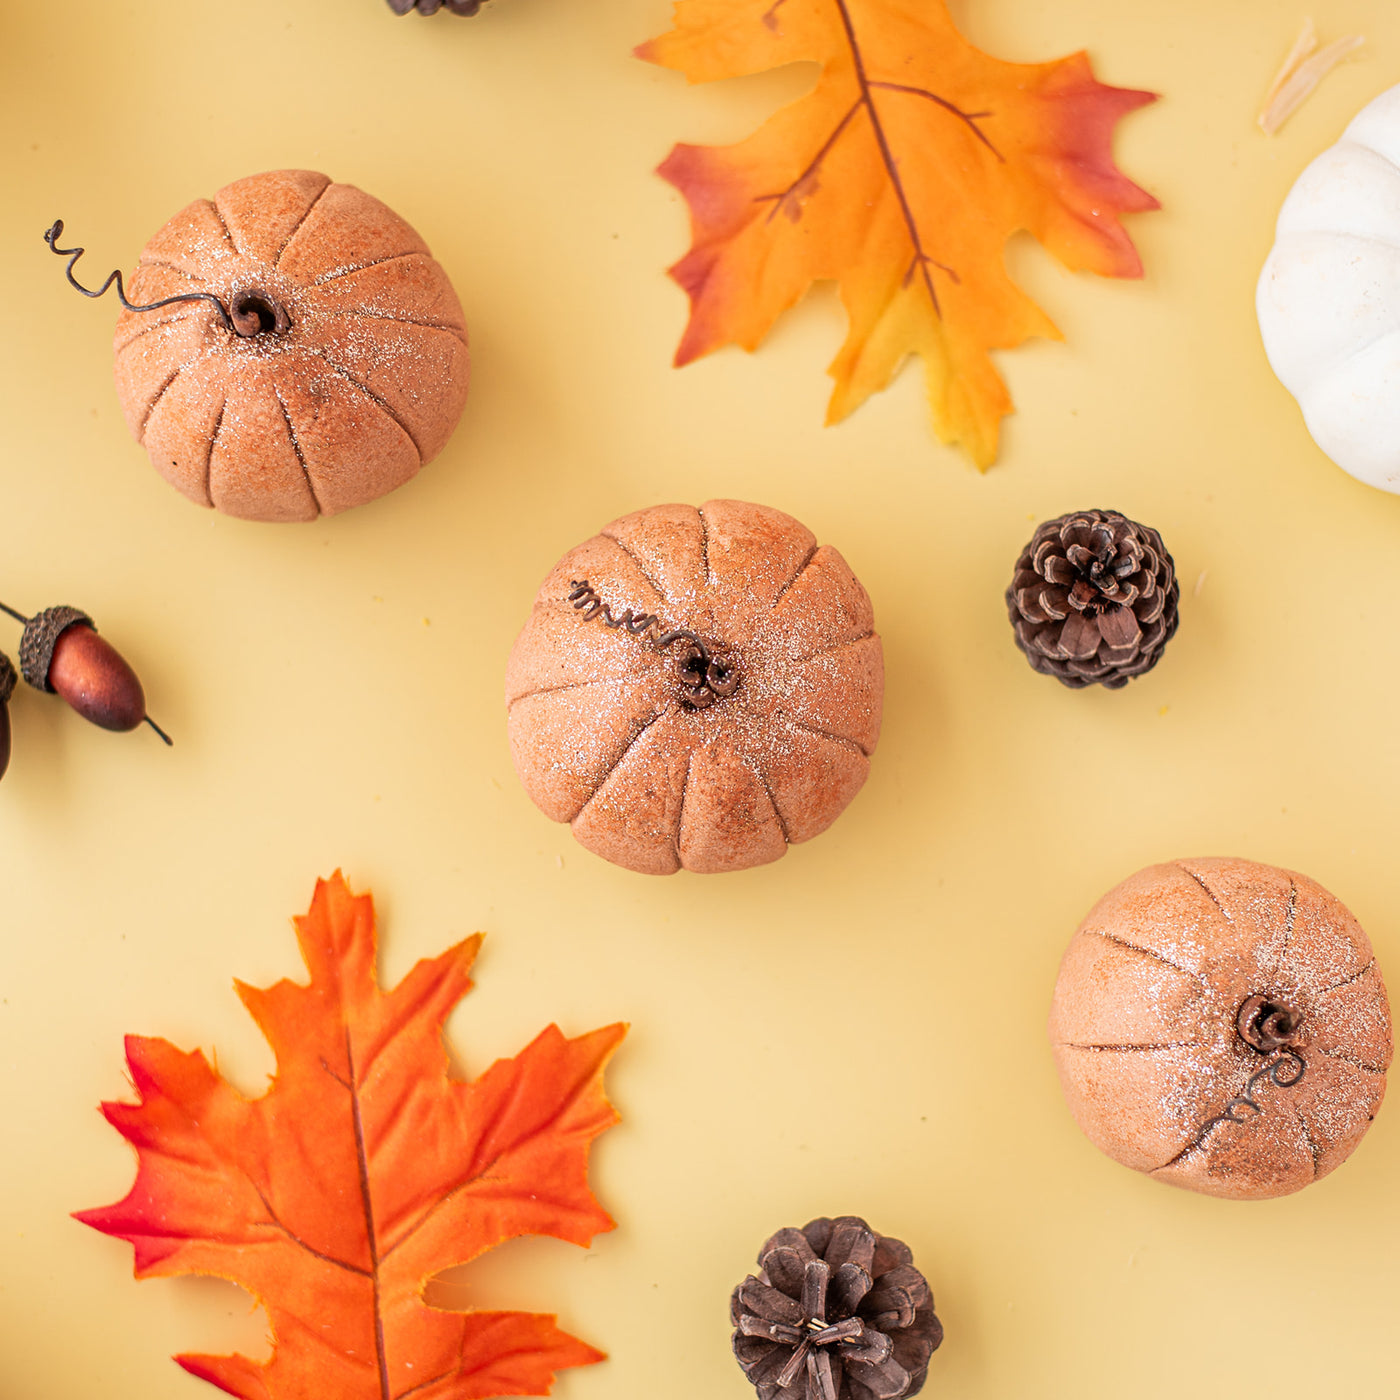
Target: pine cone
{"x":835,"y":1311}
{"x":1093,"y":599}
{"x":431,"y":7}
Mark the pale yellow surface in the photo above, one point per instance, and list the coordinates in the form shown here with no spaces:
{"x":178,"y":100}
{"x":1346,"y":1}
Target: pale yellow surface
{"x":859,"y":1028}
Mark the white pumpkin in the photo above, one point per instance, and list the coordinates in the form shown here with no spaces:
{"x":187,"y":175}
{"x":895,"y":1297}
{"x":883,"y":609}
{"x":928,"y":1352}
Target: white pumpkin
{"x":1329,"y":296}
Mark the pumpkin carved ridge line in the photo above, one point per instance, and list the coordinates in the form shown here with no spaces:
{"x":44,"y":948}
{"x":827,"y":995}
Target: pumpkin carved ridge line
{"x":1125,"y":1049}
{"x":160,"y":394}
{"x":1347,"y":981}
{"x":402,"y":321}
{"x":1214,"y":898}
{"x":1147,"y":952}
{"x":801,"y":569}
{"x":1314,"y":1151}
{"x":296,"y":447}
{"x":373,"y":397}
{"x":641,"y":568}
{"x":680,"y":806}
{"x":147,"y":327}
{"x":363,"y":267}
{"x":209,"y":459}
{"x":1349,"y":1059}
{"x":756,"y":767}
{"x":1197,"y":1143}
{"x":834,"y":647}
{"x":1290,"y":919}
{"x":173,"y":267}
{"x":555,"y":689}
{"x":616,"y":763}
{"x":705,"y":546}
{"x":223,"y":224}
{"x":841,"y":739}
{"x":296,"y":228}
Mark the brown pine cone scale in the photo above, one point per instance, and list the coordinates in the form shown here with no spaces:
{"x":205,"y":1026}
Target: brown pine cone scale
{"x":1094,"y":599}
{"x":836,"y":1312}
{"x":431,"y":7}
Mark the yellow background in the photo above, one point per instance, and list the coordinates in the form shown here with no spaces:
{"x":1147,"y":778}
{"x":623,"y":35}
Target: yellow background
{"x":858,"y":1028}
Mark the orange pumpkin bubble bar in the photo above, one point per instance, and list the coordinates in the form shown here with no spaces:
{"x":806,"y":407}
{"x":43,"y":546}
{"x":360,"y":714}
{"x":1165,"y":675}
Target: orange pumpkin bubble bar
{"x":1223,"y":1026}
{"x":338,"y":366}
{"x":696,"y":688}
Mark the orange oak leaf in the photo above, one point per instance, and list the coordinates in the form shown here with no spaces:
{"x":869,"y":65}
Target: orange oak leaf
{"x":361,"y":1172}
{"x":901,"y":176}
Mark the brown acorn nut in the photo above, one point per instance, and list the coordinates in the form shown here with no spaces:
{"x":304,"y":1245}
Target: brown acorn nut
{"x":7,"y":689}
{"x":697,"y":688}
{"x":61,"y":652}
{"x":1222,"y":1025}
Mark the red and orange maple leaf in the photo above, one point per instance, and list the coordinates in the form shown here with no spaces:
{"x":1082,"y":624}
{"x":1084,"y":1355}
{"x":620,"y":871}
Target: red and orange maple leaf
{"x":901,"y":176}
{"x":361,"y":1172}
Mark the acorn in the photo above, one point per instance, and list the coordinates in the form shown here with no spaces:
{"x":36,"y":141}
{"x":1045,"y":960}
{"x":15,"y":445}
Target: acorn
{"x":61,"y":652}
{"x":7,"y":689}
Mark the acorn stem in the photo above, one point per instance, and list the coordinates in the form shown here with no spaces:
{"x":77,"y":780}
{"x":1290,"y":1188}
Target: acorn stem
{"x":169,"y":741}
{"x":18,"y":616}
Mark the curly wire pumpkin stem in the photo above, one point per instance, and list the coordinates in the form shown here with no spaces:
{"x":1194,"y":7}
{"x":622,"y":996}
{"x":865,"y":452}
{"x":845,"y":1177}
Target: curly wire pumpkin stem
{"x":1271,"y":1028}
{"x":55,"y":232}
{"x":705,"y":676}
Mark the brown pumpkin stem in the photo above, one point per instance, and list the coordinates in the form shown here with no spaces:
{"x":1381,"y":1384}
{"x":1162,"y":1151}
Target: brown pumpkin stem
{"x":255,"y":312}
{"x":1267,"y":1025}
{"x":262,"y":313}
{"x":706,"y":676}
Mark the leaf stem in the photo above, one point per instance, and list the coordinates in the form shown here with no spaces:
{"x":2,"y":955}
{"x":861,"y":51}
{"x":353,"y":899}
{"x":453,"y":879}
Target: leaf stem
{"x":886,"y":155}
{"x":362,"y":1160}
{"x":971,"y":118}
{"x":815,"y":163}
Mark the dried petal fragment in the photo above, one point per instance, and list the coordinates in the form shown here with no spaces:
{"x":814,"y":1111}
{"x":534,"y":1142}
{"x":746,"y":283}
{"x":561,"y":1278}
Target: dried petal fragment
{"x":1300,"y":74}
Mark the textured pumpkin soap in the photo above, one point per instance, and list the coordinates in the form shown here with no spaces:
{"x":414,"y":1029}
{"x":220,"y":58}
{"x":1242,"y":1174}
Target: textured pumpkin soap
{"x":327,"y":363}
{"x":697,"y":688}
{"x":1223,"y":1026}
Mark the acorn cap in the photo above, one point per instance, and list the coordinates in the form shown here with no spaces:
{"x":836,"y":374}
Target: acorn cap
{"x":7,"y":679}
{"x":41,"y":634}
